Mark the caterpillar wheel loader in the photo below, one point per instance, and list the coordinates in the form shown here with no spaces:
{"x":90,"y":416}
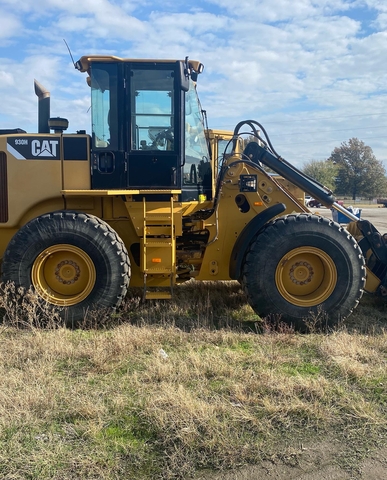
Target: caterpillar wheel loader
{"x":149,"y":200}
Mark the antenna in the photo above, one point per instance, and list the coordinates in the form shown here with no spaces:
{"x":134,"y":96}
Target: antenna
{"x":71,"y":56}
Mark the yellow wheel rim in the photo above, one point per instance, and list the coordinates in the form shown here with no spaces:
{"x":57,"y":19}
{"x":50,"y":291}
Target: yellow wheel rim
{"x":306,"y":276}
{"x":63,"y":275}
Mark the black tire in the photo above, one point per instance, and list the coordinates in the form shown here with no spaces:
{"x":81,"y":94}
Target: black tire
{"x":75,"y":261}
{"x":304,"y":267}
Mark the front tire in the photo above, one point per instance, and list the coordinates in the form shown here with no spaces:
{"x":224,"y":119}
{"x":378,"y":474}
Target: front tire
{"x":74,"y":261}
{"x":302,"y":266}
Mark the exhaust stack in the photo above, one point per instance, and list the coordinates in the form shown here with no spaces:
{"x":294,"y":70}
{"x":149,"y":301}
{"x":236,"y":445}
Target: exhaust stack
{"x":43,"y":107}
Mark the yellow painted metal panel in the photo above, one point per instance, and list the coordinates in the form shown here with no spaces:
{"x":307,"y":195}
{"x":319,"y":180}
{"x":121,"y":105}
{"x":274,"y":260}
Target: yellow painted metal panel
{"x":118,"y":192}
{"x":30,"y":182}
{"x":76,"y":175}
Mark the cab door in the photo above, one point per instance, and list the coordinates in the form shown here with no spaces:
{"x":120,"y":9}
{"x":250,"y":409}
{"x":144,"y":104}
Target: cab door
{"x":154,"y":116}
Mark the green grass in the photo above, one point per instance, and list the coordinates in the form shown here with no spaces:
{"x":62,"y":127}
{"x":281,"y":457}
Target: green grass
{"x":101,"y":402}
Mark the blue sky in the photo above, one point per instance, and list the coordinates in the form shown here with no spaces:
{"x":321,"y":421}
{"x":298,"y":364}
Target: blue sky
{"x":313,"y":72}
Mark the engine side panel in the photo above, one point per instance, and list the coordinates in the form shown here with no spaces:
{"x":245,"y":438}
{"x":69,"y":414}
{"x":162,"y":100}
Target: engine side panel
{"x":34,"y":169}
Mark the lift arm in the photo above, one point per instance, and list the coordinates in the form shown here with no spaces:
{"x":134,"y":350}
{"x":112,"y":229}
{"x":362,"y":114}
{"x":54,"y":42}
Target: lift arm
{"x":266,"y":154}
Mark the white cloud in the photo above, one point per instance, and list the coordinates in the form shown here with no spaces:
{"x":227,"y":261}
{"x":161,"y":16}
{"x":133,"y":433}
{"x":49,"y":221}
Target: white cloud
{"x":10,"y":25}
{"x":313,"y":70}
{"x":280,"y":10}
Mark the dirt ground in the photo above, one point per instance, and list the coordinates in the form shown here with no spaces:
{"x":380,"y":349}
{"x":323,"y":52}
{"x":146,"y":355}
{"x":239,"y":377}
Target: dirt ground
{"x":327,"y":460}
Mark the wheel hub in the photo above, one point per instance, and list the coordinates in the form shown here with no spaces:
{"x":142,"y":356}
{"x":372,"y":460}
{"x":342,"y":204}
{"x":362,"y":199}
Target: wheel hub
{"x":301,"y":273}
{"x":67,"y":272}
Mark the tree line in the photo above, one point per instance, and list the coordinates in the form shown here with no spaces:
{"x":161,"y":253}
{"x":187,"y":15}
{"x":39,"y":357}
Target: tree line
{"x":352,"y":169}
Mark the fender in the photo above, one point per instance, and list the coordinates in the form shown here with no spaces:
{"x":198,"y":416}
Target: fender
{"x":247,"y":234}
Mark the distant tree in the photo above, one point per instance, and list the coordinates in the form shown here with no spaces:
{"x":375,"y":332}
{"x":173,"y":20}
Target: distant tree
{"x":324,"y":171}
{"x":359,"y":172}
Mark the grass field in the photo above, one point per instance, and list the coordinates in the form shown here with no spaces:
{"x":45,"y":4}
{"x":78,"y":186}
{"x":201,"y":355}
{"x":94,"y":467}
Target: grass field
{"x":170,"y":390}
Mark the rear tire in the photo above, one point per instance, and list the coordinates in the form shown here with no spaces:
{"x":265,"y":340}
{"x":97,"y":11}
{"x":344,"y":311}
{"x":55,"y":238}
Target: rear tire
{"x":74,"y":261}
{"x":303,"y":267}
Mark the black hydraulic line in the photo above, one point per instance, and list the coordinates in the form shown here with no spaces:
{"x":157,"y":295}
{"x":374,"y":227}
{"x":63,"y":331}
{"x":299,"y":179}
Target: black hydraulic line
{"x":252,"y":124}
{"x":270,"y":147}
{"x":310,"y":186}
{"x":222,"y":173}
{"x":268,"y":156}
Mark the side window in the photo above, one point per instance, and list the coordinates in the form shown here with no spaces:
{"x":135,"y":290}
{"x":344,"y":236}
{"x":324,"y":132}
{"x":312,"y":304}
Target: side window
{"x":152,"y":110}
{"x":104,"y":106}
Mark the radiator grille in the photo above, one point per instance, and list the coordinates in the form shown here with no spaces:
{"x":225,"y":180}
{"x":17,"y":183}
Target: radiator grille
{"x":3,"y":188}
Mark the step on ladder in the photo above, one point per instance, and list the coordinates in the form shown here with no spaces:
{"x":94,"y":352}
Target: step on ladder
{"x":158,"y":262}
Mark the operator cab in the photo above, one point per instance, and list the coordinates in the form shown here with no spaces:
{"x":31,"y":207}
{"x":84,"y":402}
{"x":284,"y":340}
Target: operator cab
{"x":147,"y":126}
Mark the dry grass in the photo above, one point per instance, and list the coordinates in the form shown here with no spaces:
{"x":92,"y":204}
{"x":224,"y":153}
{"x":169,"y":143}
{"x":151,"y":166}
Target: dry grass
{"x":168,"y":389}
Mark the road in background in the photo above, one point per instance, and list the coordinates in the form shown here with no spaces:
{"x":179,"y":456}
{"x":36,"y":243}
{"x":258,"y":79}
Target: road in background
{"x":376,"y":215}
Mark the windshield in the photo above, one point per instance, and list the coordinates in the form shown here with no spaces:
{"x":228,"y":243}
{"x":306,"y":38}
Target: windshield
{"x":196,"y":149}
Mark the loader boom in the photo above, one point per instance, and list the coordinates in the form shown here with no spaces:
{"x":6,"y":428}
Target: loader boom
{"x":262,"y":151}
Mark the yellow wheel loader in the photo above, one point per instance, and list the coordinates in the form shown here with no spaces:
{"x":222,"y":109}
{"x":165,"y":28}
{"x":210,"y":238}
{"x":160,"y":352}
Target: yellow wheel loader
{"x":152,"y":199}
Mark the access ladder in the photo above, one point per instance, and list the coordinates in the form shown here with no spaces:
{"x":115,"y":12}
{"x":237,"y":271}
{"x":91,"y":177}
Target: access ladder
{"x":158,"y":260}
